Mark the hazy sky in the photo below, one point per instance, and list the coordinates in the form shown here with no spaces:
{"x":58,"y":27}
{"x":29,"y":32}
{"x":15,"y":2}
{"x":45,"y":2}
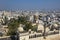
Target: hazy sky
{"x":29,"y":4}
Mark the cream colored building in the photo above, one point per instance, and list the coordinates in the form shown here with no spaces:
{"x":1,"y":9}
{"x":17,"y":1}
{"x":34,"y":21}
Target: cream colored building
{"x":3,"y":29}
{"x":20,"y":29}
{"x":24,"y":37}
{"x":40,"y":28}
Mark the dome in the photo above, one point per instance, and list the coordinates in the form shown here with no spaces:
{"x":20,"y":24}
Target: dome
{"x":20,"y":29}
{"x":55,"y":25}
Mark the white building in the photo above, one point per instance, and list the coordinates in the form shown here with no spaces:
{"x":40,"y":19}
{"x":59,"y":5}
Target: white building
{"x":31,"y":18}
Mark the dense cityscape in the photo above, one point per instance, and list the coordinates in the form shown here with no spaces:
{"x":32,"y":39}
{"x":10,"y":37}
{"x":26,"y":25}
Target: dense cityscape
{"x":27,"y":25}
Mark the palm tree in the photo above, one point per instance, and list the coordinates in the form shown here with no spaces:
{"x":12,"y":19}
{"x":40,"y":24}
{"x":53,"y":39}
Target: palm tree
{"x":44,"y":34}
{"x":45,"y":25}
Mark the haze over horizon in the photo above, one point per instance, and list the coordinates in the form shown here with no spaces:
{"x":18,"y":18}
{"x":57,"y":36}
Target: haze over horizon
{"x":29,"y":4}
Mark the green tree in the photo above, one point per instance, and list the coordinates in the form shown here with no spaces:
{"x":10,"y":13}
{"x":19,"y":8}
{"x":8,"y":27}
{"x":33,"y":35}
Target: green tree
{"x":12,"y":26}
{"x":5,"y":20}
{"x":28,"y":26}
{"x":34,"y":28}
{"x":22,"y":19}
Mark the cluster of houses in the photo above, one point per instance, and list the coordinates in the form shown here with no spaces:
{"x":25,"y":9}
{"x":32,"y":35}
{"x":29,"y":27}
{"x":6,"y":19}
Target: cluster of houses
{"x":38,"y":19}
